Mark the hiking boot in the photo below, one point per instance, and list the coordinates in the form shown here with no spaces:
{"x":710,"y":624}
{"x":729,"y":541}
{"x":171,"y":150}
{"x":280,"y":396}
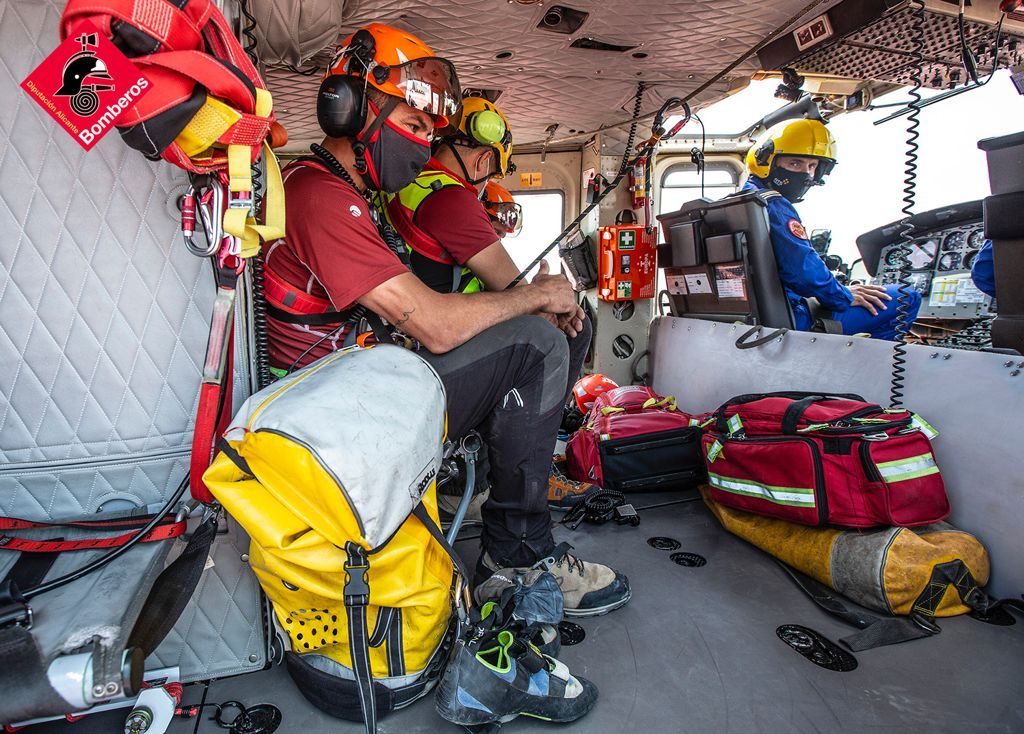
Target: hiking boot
{"x":448,"y":505}
{"x":588,"y":589}
{"x":564,"y":493}
{"x":496,"y":679}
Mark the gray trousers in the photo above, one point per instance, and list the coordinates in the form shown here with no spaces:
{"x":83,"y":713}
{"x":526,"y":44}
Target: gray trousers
{"x":510,"y":382}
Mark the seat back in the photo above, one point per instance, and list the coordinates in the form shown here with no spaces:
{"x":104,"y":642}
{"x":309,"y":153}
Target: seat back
{"x":104,"y":318}
{"x":719,"y":262}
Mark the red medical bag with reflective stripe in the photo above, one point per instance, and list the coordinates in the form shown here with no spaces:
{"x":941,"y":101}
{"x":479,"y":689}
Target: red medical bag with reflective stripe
{"x":820,"y":459}
{"x":636,"y":440}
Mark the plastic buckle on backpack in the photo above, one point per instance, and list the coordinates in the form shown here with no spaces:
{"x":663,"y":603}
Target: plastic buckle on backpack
{"x":357,"y":586}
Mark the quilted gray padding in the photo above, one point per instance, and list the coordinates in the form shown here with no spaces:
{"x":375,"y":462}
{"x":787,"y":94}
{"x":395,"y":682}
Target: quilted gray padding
{"x":545,"y":81}
{"x":103,"y":325}
{"x":102,"y":311}
{"x":221,"y":632}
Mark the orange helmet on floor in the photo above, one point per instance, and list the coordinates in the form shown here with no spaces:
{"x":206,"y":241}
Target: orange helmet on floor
{"x":586,"y":390}
{"x":506,"y":215}
{"x":399,"y":64}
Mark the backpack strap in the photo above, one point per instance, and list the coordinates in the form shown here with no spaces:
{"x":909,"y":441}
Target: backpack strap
{"x":357,"y":597}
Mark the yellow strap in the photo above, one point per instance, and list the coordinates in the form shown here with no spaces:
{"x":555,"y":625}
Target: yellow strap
{"x":238,"y":222}
{"x":206,"y":126}
{"x":609,"y":410}
{"x":264,"y":103}
{"x":669,"y":403}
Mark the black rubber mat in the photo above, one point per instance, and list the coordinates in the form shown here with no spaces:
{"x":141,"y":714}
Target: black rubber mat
{"x":696,"y":650}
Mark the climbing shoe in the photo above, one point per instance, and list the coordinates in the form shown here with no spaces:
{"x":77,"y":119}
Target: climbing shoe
{"x":588,"y":589}
{"x":544,"y":637}
{"x":496,"y":678}
{"x":564,"y":493}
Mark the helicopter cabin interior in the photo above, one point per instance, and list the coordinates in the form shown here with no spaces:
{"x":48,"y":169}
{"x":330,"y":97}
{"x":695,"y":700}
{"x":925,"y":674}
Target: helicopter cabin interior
{"x":105,"y":318}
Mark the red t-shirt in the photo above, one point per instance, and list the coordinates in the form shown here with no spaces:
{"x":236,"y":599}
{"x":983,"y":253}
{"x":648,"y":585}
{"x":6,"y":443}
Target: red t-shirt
{"x":455,"y":217}
{"x":331,"y":250}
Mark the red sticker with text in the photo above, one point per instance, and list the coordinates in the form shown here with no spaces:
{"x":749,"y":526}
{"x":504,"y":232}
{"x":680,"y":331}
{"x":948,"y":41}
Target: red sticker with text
{"x":86,"y":84}
{"x":797,"y":228}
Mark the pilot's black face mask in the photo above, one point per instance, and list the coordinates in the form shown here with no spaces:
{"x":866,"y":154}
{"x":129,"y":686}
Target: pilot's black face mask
{"x":792,"y":185}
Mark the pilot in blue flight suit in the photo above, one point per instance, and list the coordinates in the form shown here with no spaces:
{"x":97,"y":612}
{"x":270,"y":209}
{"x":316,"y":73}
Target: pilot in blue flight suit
{"x":983,"y":271}
{"x":790,"y":158}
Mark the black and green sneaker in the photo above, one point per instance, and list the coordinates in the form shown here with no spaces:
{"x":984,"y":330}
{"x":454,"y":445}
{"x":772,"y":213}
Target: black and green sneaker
{"x":497,"y":678}
{"x":544,"y":637}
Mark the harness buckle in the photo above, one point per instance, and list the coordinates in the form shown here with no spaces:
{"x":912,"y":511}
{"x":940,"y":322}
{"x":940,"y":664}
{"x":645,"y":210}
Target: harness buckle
{"x":357,"y":586}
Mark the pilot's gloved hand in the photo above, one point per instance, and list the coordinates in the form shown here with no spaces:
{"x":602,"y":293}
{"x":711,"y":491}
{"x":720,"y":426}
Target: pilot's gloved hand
{"x":871,"y":297}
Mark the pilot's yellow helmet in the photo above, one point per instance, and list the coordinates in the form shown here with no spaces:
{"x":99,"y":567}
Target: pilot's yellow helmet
{"x":480,"y":122}
{"x":808,"y":138}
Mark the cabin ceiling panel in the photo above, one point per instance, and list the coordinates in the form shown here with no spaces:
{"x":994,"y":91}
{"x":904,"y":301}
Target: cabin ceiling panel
{"x":545,"y":81}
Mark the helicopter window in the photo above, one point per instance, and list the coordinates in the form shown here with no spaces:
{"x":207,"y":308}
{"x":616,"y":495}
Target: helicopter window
{"x":681,"y":184}
{"x":543,"y":219}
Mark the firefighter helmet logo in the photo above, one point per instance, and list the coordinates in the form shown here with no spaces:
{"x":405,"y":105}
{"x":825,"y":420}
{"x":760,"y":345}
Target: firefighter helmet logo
{"x":84,"y":76}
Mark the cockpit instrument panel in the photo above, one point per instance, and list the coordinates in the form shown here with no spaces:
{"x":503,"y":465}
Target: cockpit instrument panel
{"x":945,"y":244}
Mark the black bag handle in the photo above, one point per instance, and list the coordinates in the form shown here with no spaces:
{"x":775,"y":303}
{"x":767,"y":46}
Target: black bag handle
{"x":720,"y":420}
{"x":791,"y":418}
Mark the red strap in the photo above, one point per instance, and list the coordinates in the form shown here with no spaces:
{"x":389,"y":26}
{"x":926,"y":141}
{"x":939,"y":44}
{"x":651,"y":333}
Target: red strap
{"x":160,"y":19}
{"x":212,"y":419}
{"x":287,"y":297}
{"x":164,"y":531}
{"x":207,"y":71}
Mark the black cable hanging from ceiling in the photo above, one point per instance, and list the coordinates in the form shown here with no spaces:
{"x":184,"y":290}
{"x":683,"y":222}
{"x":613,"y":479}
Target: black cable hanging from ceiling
{"x":909,"y":200}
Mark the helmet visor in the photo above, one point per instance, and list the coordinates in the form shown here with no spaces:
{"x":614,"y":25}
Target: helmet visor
{"x":825,"y":166}
{"x":508,"y":215}
{"x":429,"y":84}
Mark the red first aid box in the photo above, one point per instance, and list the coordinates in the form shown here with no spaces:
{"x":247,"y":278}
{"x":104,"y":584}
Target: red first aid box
{"x":627,"y":265}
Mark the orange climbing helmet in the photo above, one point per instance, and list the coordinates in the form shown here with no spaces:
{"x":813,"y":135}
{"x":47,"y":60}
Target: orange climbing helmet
{"x":505,"y":213}
{"x":399,"y":64}
{"x":586,"y":390}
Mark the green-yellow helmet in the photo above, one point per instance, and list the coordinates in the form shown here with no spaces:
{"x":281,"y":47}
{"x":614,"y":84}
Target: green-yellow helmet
{"x":480,"y":122}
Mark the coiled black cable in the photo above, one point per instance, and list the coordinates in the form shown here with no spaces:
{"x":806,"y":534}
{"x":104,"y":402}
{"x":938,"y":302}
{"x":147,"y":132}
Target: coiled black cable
{"x":638,"y":104}
{"x":261,"y":339}
{"x":899,"y":353}
{"x":248,"y":31}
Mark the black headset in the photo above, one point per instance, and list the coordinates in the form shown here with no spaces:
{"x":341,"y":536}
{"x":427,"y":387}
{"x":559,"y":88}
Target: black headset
{"x":341,"y":101}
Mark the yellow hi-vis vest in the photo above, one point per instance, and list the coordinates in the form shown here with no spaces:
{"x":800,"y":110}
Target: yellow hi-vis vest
{"x":401,"y":212}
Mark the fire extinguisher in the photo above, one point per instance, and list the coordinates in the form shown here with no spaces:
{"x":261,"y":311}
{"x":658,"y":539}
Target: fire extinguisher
{"x":638,"y":182}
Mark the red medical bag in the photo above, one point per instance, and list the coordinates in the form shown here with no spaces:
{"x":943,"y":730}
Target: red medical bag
{"x":821,"y":459}
{"x":636,"y":440}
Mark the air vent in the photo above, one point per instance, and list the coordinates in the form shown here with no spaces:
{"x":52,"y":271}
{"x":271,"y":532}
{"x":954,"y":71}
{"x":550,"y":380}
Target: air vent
{"x":592,"y":44}
{"x":562,"y":19}
{"x":491,"y":95}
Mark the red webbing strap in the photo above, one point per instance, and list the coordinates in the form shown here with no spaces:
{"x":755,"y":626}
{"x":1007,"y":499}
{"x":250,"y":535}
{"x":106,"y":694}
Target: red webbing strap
{"x":288,"y":298}
{"x":212,"y":419}
{"x":124,"y":523}
{"x":214,"y":410}
{"x":160,"y":19}
{"x":197,"y":66}
{"x":164,"y":531}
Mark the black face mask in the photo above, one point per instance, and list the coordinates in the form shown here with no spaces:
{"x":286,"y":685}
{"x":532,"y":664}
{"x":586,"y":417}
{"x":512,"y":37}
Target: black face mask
{"x":794,"y":186}
{"x":393,"y":157}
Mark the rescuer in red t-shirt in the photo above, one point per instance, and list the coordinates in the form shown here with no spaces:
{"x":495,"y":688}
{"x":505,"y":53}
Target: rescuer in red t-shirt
{"x":504,"y":368}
